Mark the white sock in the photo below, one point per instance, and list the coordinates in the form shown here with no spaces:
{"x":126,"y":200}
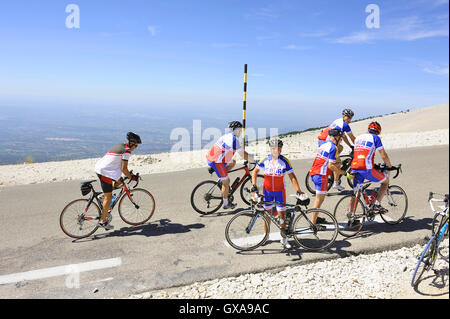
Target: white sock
{"x":225,"y":201}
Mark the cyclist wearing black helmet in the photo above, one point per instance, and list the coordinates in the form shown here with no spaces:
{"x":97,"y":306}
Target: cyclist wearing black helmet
{"x":110,"y":168}
{"x":325,"y":164}
{"x":275,"y":166}
{"x":341,"y":124}
{"x":220,"y":158}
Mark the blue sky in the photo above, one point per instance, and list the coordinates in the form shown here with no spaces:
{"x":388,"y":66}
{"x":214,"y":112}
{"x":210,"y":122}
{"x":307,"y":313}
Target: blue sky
{"x":307,"y":60}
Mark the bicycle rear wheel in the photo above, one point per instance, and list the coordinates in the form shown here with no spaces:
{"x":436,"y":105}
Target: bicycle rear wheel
{"x":310,"y":184}
{"x":350,"y":214}
{"x":138,"y":210}
{"x":206,"y":198}
{"x":247,"y":230}
{"x":426,"y":261}
{"x":396,"y":202}
{"x":315,"y":236}
{"x":78,"y":221}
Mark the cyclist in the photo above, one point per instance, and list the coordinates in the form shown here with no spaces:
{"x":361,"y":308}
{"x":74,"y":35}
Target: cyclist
{"x":363,"y":161}
{"x":341,"y":124}
{"x":274,"y":167}
{"x":109,"y":170}
{"x":324,"y":164}
{"x":220,"y":158}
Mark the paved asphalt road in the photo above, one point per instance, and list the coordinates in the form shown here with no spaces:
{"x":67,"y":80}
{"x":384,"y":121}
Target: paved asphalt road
{"x":178,"y":246}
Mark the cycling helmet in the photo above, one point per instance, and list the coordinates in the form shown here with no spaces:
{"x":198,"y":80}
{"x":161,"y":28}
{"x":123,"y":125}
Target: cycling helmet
{"x":335,"y":132}
{"x":234,"y":125}
{"x":133,"y":138}
{"x":348,"y":112}
{"x":275,"y":142}
{"x":374,"y":128}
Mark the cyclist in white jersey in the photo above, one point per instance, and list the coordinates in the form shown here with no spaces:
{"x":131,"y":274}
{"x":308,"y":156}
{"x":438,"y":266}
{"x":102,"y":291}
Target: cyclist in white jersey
{"x":109,"y":170}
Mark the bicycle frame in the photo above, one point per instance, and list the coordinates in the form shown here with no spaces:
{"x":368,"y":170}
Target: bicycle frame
{"x":247,"y":173}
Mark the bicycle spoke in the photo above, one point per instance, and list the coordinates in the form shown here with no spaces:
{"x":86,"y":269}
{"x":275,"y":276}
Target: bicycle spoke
{"x":315,"y":229}
{"x":246,"y":231}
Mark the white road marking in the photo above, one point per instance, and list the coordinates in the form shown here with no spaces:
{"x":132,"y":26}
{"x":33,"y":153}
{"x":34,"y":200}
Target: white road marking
{"x":60,"y":270}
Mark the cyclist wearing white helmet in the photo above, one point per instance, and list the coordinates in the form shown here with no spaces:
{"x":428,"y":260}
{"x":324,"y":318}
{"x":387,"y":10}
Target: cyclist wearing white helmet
{"x":341,"y":124}
{"x":275,"y":166}
{"x":220,"y":158}
{"x":110,"y":168}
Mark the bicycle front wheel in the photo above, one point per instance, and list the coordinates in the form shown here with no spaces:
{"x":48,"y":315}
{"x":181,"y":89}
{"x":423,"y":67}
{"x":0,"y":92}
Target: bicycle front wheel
{"x":315,"y":229}
{"x":137,"y":208}
{"x":350,"y":214}
{"x":247,"y":230}
{"x":396,"y":202}
{"x":79,"y":221}
{"x":206,"y":198}
{"x":426,"y":261}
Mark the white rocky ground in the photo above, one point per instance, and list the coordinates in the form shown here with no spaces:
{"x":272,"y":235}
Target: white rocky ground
{"x":385,"y":275}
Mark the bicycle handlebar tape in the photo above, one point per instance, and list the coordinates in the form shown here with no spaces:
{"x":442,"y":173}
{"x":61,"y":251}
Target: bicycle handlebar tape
{"x":244,"y":105}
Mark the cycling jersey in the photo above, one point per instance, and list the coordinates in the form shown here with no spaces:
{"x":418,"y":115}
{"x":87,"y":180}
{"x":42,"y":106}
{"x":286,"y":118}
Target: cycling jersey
{"x":325,"y":154}
{"x":274,"y":172}
{"x":337,"y":124}
{"x":365,"y":146}
{"x":223,"y":150}
{"x":110,"y":165}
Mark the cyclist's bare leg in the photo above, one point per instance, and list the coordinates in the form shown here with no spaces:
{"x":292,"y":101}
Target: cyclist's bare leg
{"x":106,"y":202}
{"x":317,"y":203}
{"x":338,"y":163}
{"x":118,"y":183}
{"x":382,"y":191}
{"x":225,"y":188}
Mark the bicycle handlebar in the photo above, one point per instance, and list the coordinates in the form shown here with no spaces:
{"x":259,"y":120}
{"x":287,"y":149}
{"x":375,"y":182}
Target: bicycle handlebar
{"x":383,"y":167}
{"x":138,"y":178}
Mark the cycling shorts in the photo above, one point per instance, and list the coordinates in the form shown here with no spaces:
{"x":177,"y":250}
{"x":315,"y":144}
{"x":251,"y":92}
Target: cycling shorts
{"x":220,"y":169}
{"x":277,"y":197}
{"x":320,"y":183}
{"x":106,"y":183}
{"x":372,"y":175}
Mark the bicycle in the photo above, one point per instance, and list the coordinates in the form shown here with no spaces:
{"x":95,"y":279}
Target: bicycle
{"x":79,"y":219}
{"x":427,"y":258}
{"x":206,"y":197}
{"x":249,"y":229}
{"x":352,"y":212}
{"x":346,"y":161}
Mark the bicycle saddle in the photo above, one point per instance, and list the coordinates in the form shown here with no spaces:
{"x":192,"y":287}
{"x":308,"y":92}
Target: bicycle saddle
{"x":89,"y":182}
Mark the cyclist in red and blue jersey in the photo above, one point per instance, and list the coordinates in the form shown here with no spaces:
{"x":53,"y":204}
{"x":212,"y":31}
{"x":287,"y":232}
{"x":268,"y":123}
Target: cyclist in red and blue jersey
{"x":341,"y":124}
{"x":220,"y":158}
{"x":324,"y":164}
{"x":363,"y":161}
{"x":275,"y":166}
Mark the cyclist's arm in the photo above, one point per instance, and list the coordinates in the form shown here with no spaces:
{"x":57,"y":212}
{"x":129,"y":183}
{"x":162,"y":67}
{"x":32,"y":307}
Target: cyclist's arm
{"x":294,"y":181}
{"x":125,"y":169}
{"x":385,"y":157}
{"x":336,"y":169}
{"x":352,"y":138}
{"x":246,"y":156}
{"x":255,"y":175}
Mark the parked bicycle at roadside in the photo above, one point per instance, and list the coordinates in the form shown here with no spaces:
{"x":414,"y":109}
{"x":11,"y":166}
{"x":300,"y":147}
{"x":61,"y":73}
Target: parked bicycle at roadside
{"x":439,"y":231}
{"x":352,"y":211}
{"x":79,"y":219}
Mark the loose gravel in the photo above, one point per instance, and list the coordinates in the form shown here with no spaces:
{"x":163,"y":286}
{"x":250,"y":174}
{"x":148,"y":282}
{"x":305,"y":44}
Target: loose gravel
{"x":385,"y":275}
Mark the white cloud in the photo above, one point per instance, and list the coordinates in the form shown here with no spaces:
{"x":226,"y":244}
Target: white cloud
{"x":405,"y":29}
{"x":229,"y":45}
{"x":436,"y":70}
{"x":153,"y":30}
{"x":296,"y":47}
